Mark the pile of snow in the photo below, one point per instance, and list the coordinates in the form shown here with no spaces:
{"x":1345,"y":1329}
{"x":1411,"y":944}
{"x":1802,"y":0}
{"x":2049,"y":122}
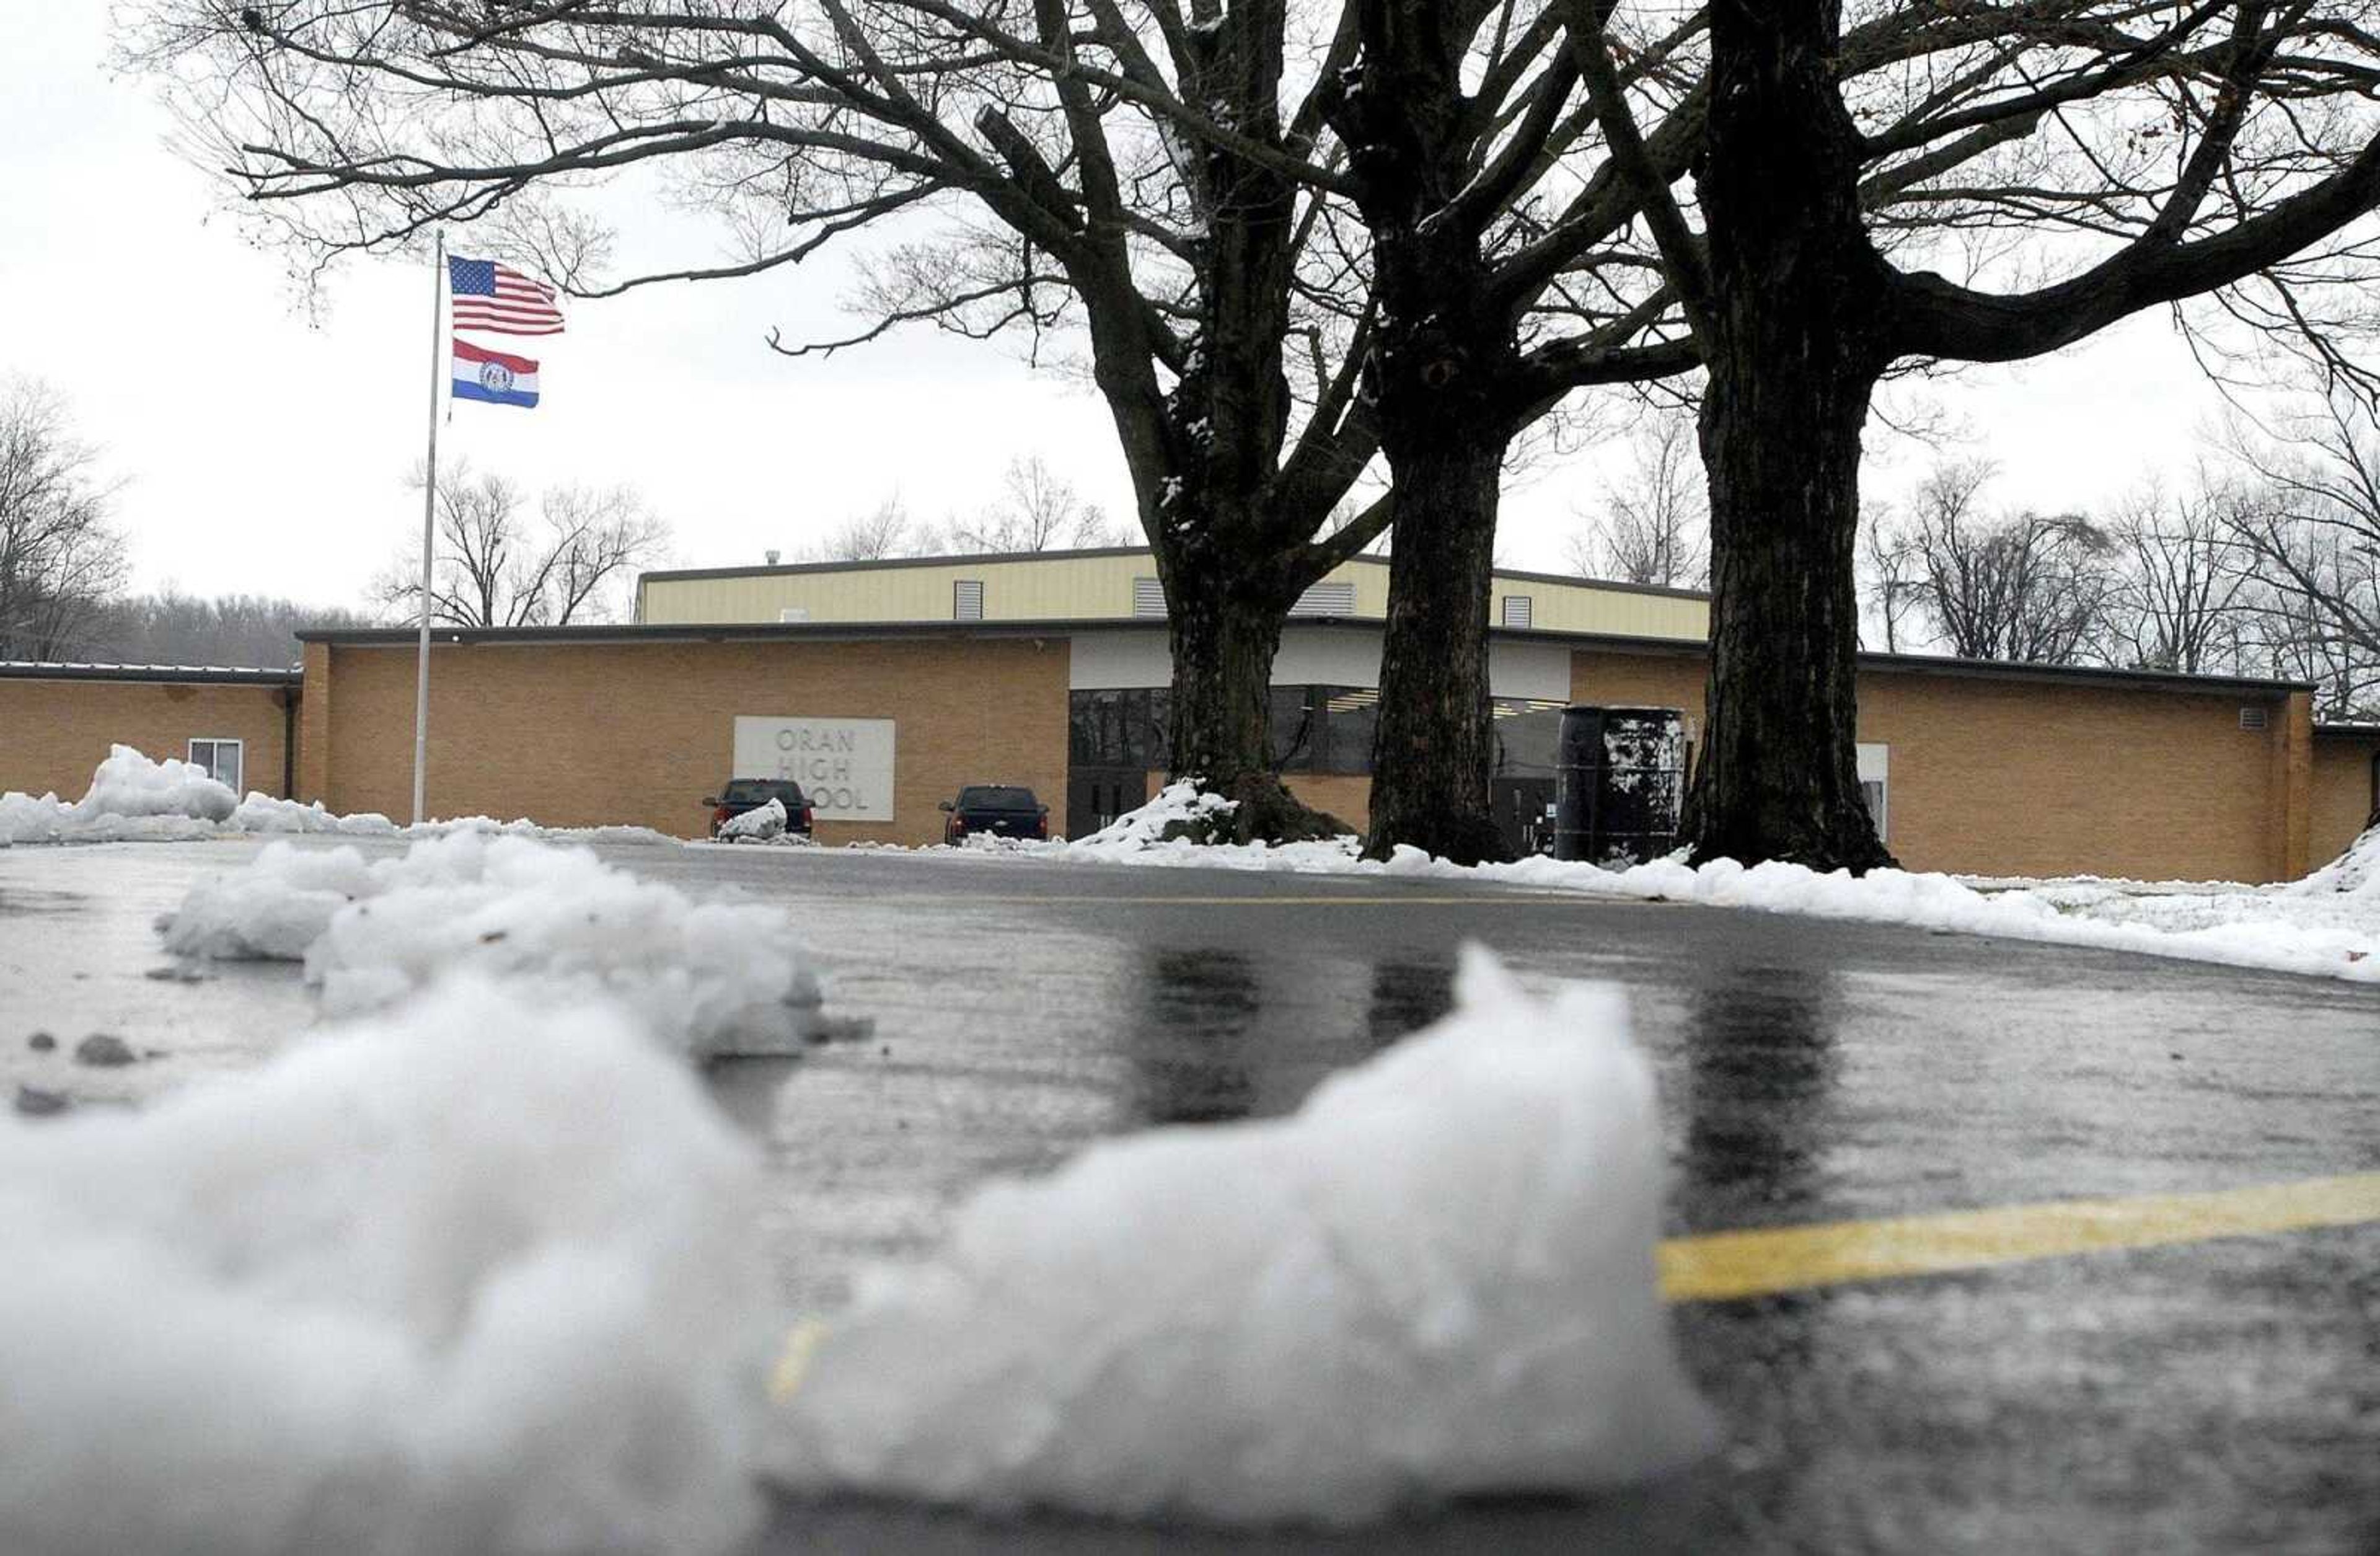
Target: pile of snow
{"x":129,"y":783}
{"x":265,"y":814}
{"x":1436,"y":1279}
{"x":707,"y":977}
{"x":476,"y":1276}
{"x":760,"y":824}
{"x":2355,"y":872}
{"x":133,"y":799}
{"x":1180,"y":804}
{"x":130,"y":796}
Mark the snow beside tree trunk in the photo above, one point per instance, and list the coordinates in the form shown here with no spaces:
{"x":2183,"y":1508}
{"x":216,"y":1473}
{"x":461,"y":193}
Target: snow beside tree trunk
{"x":1436,"y":1279}
{"x":476,"y":1276}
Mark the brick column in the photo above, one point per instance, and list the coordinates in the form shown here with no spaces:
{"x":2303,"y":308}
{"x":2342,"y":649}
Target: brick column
{"x":314,"y":726}
{"x":2294,"y":786}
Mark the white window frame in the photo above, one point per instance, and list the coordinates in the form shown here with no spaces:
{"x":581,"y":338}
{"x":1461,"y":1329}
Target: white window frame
{"x":1876,"y":767}
{"x":788,"y":614}
{"x":215,"y":743}
{"x":1526,"y":611}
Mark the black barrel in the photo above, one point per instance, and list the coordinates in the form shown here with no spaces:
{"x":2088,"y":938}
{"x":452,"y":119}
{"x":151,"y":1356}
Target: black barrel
{"x":1618,"y":784}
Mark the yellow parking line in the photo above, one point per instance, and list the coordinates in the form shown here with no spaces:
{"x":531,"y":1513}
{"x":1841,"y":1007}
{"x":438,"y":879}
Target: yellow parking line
{"x":1731,"y":1264}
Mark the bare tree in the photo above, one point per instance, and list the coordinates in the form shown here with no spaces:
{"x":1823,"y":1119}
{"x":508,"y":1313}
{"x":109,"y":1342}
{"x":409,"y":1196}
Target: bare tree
{"x":2310,"y":530}
{"x":60,"y":562}
{"x":170,"y":627}
{"x":1038,"y":510}
{"x":2181,"y":578}
{"x":1146,"y":184}
{"x":496,"y":566}
{"x":2058,"y":167}
{"x":1653,"y":528}
{"x":2028,"y":586}
{"x":885,"y":530}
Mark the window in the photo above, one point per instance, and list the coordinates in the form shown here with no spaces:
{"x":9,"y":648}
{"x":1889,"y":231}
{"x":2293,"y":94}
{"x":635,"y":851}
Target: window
{"x":794,"y":613}
{"x":966,"y":600}
{"x":221,"y":761}
{"x":1326,"y":600}
{"x":1517,"y":609}
{"x":1148,"y":597}
{"x":1874,"y":782}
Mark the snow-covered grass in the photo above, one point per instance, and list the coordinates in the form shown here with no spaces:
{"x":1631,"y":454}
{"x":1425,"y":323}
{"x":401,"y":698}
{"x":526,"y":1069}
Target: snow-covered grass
{"x":707,"y":977}
{"x":477,"y":1275}
{"x":2327,"y":925}
{"x":1436,"y":1279}
{"x":133,"y":799}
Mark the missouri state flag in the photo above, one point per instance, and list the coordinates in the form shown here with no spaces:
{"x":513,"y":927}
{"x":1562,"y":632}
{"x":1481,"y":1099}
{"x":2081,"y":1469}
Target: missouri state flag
{"x":497,"y":377}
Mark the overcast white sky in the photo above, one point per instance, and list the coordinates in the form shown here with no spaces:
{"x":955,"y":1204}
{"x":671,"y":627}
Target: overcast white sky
{"x":264,"y":449}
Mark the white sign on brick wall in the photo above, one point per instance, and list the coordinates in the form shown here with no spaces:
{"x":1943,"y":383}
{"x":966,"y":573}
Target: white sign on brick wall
{"x":845,"y":766}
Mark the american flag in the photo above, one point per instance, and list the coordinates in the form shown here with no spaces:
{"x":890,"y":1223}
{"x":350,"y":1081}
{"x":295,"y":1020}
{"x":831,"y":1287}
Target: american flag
{"x":497,"y":298}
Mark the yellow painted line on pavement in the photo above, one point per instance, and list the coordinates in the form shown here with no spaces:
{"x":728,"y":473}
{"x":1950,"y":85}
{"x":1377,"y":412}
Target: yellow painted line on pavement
{"x":1720,"y":1265}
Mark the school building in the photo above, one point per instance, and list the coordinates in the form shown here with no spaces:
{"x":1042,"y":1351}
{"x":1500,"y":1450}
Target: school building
{"x":884,"y":686}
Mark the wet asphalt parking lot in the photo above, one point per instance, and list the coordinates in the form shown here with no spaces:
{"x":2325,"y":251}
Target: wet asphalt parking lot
{"x":2211,"y":1393}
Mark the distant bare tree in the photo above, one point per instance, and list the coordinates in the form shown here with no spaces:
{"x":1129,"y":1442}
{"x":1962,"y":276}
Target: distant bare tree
{"x":1888,"y":583}
{"x":171,"y":627}
{"x":2029,"y":587}
{"x":1655,"y":527}
{"x":1038,"y":510}
{"x":60,"y":562}
{"x":887,"y":529}
{"x":495,"y":565}
{"x":2176,"y":603}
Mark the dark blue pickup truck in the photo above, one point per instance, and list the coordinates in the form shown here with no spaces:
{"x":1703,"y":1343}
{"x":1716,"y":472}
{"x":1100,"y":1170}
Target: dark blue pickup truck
{"x":994,"y":810}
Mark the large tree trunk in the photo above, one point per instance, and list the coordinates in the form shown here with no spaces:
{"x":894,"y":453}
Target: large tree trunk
{"x":1442,"y":353}
{"x":1435,"y":745}
{"x":1795,"y":348}
{"x":1223,"y":621}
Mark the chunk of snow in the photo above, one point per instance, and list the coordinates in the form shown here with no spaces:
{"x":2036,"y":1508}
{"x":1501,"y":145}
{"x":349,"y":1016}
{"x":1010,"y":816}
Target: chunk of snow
{"x":1436,"y":1279}
{"x":2355,"y":872}
{"x":263,"y":813}
{"x":478,"y":1275}
{"x":1182,"y":802}
{"x":760,"y":824}
{"x":129,"y":783}
{"x":707,"y":977}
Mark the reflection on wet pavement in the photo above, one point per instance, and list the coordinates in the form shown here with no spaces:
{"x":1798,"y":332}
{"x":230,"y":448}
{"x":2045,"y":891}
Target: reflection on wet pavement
{"x":2210,"y":1397}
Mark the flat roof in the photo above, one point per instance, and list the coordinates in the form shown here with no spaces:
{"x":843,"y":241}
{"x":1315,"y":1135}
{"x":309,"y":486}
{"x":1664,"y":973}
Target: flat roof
{"x":2344,"y":730}
{"x":71,"y":670}
{"x":747,"y":631}
{"x":962,"y":559}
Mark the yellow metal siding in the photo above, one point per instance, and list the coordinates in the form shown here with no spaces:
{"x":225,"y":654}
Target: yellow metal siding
{"x":1100,"y":588}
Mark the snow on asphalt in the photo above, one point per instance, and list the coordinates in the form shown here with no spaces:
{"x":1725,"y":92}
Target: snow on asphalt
{"x":1435,"y":1279}
{"x":706,"y":978}
{"x":475,"y":1275}
{"x":2327,"y":925}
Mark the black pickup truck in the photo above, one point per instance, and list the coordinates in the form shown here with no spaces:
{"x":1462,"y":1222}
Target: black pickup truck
{"x":751,"y":794}
{"x":994,"y":810}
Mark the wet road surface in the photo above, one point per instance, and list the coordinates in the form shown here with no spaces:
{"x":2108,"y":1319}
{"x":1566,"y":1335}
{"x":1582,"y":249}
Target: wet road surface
{"x":2211,"y":1394}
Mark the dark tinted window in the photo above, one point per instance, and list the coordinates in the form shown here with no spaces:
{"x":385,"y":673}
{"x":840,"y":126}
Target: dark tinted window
{"x":996,"y":796}
{"x":760,"y":791}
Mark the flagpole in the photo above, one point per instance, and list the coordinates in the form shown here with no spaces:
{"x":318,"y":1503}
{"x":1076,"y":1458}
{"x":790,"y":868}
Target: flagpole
{"x":428,"y":516}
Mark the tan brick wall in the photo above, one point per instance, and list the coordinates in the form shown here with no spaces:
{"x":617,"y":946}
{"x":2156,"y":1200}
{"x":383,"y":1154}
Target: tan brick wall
{"x":54,"y":733}
{"x":2034,"y":778}
{"x":2340,"y":794}
{"x":585,"y":734}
